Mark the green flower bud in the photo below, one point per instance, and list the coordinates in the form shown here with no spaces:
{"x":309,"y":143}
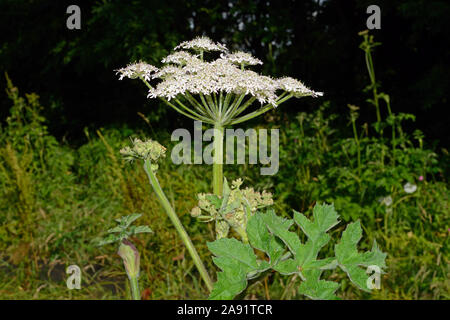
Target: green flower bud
{"x":130,"y":256}
{"x":196,"y":211}
{"x":222,"y":229}
{"x":236,"y":183}
{"x":145,"y":150}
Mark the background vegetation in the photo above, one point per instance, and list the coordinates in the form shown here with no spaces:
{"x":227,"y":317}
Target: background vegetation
{"x":62,"y":181}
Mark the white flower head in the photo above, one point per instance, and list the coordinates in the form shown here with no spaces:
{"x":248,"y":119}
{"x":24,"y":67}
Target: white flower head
{"x":296,"y":87}
{"x":198,"y":77}
{"x":179,"y":57}
{"x":240,"y":58}
{"x":202,"y":44}
{"x":409,"y":187}
{"x":187,"y":74}
{"x":387,"y":201}
{"x":137,"y":70}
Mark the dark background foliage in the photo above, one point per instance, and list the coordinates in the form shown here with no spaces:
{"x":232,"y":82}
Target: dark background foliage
{"x":314,"y":41}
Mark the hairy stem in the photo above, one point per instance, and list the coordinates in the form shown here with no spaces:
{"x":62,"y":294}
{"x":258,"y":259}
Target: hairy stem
{"x":218,"y":160}
{"x":177,"y":223}
{"x":135,"y":294}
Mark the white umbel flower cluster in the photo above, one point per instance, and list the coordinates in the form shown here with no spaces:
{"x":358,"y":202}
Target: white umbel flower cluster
{"x":198,"y":77}
{"x":137,"y":70}
{"x":296,"y":87}
{"x":202,"y":44}
{"x":189,"y":74}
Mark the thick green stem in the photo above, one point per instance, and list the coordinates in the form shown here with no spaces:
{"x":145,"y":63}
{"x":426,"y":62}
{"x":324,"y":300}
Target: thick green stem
{"x":135,"y":294}
{"x":178,"y":225}
{"x":218,"y":160}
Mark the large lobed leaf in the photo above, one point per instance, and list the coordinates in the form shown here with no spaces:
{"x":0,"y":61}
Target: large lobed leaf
{"x":270,"y":234}
{"x":237,"y":261}
{"x":351,"y":261}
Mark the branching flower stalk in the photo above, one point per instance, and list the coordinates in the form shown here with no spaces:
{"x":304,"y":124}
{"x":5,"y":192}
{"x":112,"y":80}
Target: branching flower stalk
{"x":367,"y":46}
{"x":150,"y":152}
{"x":220,"y":92}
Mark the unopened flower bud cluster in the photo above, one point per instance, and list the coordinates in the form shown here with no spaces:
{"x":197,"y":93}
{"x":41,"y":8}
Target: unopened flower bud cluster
{"x":145,"y":150}
{"x":234,"y":215}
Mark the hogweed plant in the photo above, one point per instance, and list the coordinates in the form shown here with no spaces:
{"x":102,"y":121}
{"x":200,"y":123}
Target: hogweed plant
{"x":221,"y":93}
{"x":127,"y":251}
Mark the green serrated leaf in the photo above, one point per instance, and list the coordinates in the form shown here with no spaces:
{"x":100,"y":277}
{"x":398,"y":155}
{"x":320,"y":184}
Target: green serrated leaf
{"x":258,"y":235}
{"x":288,"y":266}
{"x":350,"y":260}
{"x":227,"y":287}
{"x":261,"y":239}
{"x":237,"y":261}
{"x":325,"y":217}
{"x":234,"y":249}
{"x":324,"y":264}
{"x":270,"y":234}
{"x":128,"y":220}
{"x":280,"y":227}
{"x":305,"y":261}
{"x":142,"y":229}
{"x":124,"y":229}
{"x":319,"y":290}
{"x":115,"y":229}
{"x":108,"y":239}
{"x":374,"y":257}
{"x":262,"y":266}
{"x":215,"y":200}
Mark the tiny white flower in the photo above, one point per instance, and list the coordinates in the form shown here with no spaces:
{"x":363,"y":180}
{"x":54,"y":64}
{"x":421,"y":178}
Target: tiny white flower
{"x":409,"y":187}
{"x":387,"y":201}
